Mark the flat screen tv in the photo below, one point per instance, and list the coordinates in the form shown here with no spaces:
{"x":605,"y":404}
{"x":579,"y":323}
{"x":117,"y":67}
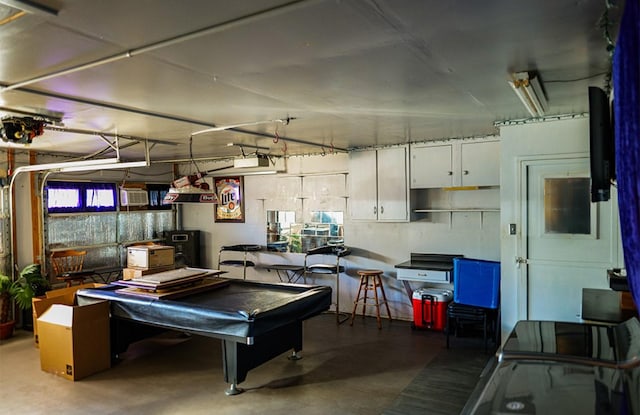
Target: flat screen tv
{"x":601,"y":143}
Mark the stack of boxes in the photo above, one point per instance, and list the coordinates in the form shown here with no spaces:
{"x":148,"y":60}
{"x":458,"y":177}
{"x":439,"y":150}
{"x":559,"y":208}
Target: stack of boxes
{"x":74,"y":340}
{"x":148,"y":259}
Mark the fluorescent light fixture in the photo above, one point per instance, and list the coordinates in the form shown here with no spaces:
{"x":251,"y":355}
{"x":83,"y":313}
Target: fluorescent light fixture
{"x":528,"y":89}
{"x":127,"y":165}
{"x":68,"y":164}
{"x":84,"y":165}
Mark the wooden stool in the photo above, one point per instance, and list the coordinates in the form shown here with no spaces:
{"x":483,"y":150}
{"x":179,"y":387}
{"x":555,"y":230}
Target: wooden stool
{"x":370,"y":285}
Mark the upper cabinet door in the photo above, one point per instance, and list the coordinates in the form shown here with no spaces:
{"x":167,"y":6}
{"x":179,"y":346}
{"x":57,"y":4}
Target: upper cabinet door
{"x":480,"y":163}
{"x":457,"y":164}
{"x":393,"y":188}
{"x":363,"y":195}
{"x":431,"y":167}
{"x":378,"y":185}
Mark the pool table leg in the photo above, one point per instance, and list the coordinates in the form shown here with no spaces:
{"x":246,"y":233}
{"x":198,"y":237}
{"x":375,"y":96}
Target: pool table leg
{"x":239,"y":358}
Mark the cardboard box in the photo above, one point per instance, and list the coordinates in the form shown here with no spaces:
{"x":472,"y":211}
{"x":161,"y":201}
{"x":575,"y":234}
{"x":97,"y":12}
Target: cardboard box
{"x":150,"y":256}
{"x":61,"y":296}
{"x":130,"y":273}
{"x":74,"y":340}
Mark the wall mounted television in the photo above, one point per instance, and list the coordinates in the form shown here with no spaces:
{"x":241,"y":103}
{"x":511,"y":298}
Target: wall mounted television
{"x":601,"y":145}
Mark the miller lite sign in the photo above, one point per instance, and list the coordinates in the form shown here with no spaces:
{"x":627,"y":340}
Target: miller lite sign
{"x":230,"y":204}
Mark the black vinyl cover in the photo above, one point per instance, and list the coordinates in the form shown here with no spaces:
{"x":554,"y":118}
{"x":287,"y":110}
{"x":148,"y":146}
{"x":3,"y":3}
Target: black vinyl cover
{"x":239,"y":311}
{"x":549,"y":367}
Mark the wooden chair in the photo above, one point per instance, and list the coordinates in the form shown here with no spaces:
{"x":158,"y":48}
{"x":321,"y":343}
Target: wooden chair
{"x":67,"y":264}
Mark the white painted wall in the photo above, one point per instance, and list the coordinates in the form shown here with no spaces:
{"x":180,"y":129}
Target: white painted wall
{"x":519,"y":142}
{"x":374,"y":245}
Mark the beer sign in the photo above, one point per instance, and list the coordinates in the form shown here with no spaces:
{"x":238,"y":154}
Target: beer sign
{"x":230,"y":207}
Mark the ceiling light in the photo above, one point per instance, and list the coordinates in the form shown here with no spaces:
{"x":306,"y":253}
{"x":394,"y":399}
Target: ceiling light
{"x":191,"y":195}
{"x":528,"y":89}
{"x":55,"y":166}
{"x":126,"y":165}
{"x":260,"y":160}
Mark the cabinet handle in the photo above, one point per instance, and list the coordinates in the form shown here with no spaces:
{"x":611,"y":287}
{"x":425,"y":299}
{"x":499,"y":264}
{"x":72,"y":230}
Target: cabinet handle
{"x":382,"y":210}
{"x":450,"y":173}
{"x":465,"y":172}
{"x":375,"y":210}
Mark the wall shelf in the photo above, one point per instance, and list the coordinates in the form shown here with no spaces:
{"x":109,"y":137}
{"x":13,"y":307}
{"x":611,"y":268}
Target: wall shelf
{"x":451,"y":211}
{"x":457,"y":210}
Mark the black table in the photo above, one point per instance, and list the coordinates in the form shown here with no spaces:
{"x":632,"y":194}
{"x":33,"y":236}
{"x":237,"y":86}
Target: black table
{"x":104,"y":274}
{"x":256,"y":321}
{"x":292,"y":273}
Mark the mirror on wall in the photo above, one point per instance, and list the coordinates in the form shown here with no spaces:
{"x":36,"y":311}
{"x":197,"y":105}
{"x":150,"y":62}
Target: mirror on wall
{"x":284,"y":234}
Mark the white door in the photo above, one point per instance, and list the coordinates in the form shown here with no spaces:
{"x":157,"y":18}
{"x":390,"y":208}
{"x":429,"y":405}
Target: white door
{"x":567,"y":240}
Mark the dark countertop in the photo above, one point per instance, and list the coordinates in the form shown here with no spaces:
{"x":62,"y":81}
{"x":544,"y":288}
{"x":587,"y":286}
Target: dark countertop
{"x":435,"y":262}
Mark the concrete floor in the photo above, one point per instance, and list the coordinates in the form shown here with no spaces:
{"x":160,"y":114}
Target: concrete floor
{"x":345,"y":370}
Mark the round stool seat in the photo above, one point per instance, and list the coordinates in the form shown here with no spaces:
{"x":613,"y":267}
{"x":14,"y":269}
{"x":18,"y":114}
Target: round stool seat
{"x":370,"y":280}
{"x":369,"y":272}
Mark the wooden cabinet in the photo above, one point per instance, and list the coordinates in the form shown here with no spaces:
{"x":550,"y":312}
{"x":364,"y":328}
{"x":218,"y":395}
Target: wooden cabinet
{"x":475,"y":163}
{"x":379,"y":187}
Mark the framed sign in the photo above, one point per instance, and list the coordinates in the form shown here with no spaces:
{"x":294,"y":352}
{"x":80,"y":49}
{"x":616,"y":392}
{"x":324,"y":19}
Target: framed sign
{"x":230,"y":207}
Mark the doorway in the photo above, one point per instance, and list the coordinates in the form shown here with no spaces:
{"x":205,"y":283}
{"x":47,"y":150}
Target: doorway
{"x":567,"y":242}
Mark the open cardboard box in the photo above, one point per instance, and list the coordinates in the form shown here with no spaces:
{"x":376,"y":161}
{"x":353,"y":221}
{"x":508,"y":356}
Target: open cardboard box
{"x":74,"y":340}
{"x":61,"y":296}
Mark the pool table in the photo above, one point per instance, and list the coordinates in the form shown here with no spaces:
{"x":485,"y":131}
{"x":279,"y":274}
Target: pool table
{"x":256,"y":321}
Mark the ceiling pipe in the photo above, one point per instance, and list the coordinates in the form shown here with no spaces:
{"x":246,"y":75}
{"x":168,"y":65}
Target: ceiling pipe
{"x":274,"y":11}
{"x":239,"y":21}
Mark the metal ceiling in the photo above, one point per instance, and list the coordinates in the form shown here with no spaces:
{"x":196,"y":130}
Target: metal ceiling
{"x":333,"y":74}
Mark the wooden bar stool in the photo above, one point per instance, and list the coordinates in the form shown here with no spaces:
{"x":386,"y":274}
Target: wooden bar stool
{"x":370,"y":280}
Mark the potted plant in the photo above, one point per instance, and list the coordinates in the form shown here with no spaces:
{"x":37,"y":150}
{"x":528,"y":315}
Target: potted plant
{"x":29,"y":284}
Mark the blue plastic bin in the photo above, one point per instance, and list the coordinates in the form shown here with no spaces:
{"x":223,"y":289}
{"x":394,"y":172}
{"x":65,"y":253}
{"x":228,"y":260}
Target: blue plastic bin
{"x":476,"y":282}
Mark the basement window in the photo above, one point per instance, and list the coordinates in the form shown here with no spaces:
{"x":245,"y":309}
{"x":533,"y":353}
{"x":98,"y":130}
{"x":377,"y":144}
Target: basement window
{"x":73,"y":197}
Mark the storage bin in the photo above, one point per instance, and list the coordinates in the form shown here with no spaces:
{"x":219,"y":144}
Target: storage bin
{"x":476,"y":282}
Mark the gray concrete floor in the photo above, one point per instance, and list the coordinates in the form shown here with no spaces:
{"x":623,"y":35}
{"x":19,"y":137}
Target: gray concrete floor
{"x":345,"y":370}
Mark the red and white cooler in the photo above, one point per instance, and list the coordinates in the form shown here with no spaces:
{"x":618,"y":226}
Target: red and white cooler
{"x":430,"y":308}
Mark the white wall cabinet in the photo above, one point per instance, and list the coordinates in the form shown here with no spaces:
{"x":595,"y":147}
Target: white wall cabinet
{"x":474,"y":163}
{"x":379,"y":186}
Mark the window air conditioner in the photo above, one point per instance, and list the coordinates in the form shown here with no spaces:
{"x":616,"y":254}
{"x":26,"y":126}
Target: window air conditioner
{"x":134,"y":197}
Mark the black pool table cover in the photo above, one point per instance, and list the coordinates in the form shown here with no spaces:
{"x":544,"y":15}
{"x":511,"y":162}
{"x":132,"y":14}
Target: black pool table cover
{"x":256,"y":321}
{"x":240,"y":310}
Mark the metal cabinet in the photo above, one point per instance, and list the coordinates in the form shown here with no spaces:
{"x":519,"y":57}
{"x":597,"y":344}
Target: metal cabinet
{"x":455,"y":165}
{"x":379,"y":187}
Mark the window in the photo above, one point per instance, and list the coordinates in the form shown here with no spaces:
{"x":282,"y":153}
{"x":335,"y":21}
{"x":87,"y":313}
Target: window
{"x":567,"y":206}
{"x":69,"y":197}
{"x":285,"y":235}
{"x":157,"y":193}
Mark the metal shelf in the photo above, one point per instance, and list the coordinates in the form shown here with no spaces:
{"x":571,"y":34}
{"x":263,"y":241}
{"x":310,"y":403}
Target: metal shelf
{"x":451,"y":211}
{"x":457,"y":210}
